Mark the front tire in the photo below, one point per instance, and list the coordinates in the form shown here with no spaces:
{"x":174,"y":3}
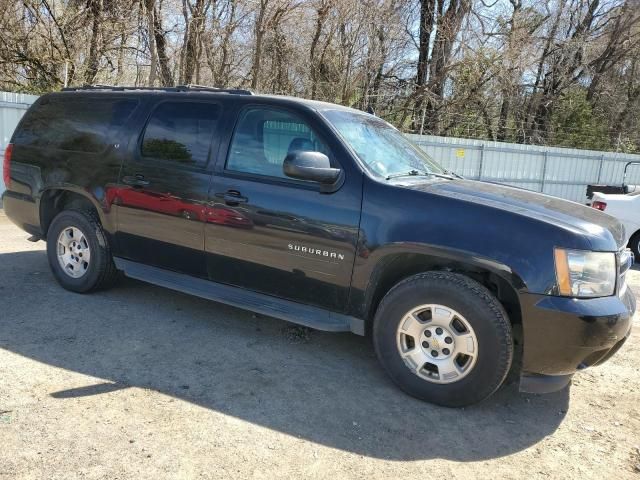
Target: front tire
{"x":444,"y":338}
{"x":79,"y":253}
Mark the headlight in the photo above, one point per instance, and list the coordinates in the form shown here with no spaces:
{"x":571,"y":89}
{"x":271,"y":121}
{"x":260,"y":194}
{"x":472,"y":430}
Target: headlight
{"x":581,"y":273}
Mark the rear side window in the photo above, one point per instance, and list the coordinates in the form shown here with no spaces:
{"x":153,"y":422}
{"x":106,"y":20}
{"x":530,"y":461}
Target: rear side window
{"x":181,"y":132}
{"x":80,"y":125}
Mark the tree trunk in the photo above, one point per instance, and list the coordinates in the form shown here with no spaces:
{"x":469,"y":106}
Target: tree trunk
{"x":528,"y":126}
{"x":257,"y":52}
{"x":321,"y":14}
{"x":150,"y":9}
{"x":222,"y":74}
{"x":621,"y":123}
{"x":427,"y":8}
{"x":194,"y":32}
{"x":121,"y":51}
{"x":93,"y":59}
{"x":509,"y":78}
{"x":449,"y":24}
{"x":166,"y":77}
{"x":501,"y":135}
{"x":377,"y":79}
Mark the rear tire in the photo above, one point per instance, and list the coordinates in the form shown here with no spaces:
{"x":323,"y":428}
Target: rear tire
{"x":634,"y":245}
{"x":466,"y":332}
{"x":74,"y":237}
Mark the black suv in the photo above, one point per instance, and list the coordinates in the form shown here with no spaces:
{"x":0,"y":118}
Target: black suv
{"x":323,"y":216}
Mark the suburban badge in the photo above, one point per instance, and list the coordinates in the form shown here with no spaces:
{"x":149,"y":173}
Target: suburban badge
{"x":315,"y":251}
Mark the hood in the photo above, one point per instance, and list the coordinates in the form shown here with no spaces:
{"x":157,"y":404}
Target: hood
{"x":601,"y":229}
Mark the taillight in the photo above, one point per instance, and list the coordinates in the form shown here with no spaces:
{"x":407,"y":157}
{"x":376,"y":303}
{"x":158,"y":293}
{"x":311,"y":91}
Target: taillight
{"x":599,"y":205}
{"x":6,"y":168}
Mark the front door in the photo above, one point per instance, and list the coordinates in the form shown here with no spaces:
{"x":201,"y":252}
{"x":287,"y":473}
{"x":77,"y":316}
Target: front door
{"x":273,"y":234}
{"x":161,"y":196}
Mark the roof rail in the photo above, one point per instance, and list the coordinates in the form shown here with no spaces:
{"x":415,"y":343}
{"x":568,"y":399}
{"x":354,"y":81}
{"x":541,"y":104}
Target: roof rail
{"x":178,"y":88}
{"x":204,"y":88}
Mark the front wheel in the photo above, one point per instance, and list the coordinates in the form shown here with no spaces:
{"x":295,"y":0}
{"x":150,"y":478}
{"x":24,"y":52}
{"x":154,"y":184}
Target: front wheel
{"x":444,"y":338}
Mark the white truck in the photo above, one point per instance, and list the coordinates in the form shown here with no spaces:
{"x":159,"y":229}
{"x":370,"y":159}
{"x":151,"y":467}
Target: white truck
{"x":624,"y":206}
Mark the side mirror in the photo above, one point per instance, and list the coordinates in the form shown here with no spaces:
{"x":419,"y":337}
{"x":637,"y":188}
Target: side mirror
{"x":314,"y":166}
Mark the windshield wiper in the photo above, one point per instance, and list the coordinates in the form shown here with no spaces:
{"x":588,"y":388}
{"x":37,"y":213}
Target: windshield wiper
{"x":410,"y":173}
{"x":417,"y":173}
{"x":449,"y":172}
{"x":440,"y":175}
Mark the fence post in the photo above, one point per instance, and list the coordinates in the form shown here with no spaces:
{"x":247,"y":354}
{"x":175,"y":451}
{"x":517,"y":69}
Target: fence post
{"x":600,"y":168}
{"x":544,"y":170}
{"x":481,"y":162}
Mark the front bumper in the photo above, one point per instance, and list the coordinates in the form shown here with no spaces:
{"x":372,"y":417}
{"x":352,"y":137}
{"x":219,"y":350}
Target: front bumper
{"x":564,"y":335}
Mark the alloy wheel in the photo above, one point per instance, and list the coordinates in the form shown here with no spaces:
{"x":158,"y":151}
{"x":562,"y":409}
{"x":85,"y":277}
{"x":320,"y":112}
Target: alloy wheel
{"x":437,"y":343}
{"x":74,"y":253}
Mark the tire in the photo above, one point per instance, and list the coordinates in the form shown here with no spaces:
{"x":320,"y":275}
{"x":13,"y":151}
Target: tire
{"x":634,"y":245}
{"x":99,"y":272}
{"x":479,"y":357}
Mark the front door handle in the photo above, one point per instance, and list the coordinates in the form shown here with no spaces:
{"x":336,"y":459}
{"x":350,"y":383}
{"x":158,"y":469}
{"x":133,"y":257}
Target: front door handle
{"x":233,"y":197}
{"x":136,"y":180}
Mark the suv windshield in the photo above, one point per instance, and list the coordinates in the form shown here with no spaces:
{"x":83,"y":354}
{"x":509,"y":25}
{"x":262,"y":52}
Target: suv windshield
{"x":384,"y":150}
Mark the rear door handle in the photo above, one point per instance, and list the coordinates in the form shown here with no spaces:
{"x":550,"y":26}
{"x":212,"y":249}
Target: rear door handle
{"x":136,"y":180}
{"x":233,"y":197}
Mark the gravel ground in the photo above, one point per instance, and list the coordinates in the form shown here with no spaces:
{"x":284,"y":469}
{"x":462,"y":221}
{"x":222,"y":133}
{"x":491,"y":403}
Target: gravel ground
{"x":142,"y":382}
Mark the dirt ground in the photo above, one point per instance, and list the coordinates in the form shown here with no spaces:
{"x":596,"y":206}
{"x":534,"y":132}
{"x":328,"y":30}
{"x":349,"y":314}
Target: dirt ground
{"x":142,"y":382}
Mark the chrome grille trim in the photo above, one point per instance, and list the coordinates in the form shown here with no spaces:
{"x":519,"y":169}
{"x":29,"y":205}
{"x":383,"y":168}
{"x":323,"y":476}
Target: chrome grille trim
{"x":625,"y":260}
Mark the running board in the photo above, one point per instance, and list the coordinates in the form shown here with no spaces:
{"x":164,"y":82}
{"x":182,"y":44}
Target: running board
{"x":312,"y":317}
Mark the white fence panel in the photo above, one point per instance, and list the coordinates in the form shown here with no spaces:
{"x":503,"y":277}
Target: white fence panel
{"x":12,"y":108}
{"x":562,"y":172}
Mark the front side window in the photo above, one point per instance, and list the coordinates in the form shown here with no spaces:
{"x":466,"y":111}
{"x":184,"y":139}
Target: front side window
{"x":264,"y":137}
{"x":380,"y":146}
{"x":181,"y":132}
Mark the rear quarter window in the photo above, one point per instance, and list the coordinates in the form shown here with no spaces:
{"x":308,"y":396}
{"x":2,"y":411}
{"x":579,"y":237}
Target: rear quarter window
{"x":80,"y":125}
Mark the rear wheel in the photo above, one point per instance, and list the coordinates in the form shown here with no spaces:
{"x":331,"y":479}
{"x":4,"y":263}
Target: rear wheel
{"x":443,"y":338}
{"x":78,"y":252}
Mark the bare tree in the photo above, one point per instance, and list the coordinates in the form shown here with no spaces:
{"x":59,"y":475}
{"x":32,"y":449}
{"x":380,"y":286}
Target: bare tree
{"x":194,"y":12}
{"x":559,"y":72}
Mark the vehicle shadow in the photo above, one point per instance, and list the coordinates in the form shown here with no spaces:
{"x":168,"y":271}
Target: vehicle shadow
{"x":324,"y":388}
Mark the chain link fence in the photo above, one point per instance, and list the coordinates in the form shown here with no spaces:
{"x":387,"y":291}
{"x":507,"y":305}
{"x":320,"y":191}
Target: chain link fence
{"x":561,"y":172}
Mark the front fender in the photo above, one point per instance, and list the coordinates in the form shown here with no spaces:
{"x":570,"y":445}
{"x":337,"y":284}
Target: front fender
{"x":373,"y":271}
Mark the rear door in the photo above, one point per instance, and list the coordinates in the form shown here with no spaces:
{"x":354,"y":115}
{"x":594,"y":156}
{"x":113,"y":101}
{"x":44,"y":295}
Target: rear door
{"x":161,"y":195}
{"x":273,"y":234}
